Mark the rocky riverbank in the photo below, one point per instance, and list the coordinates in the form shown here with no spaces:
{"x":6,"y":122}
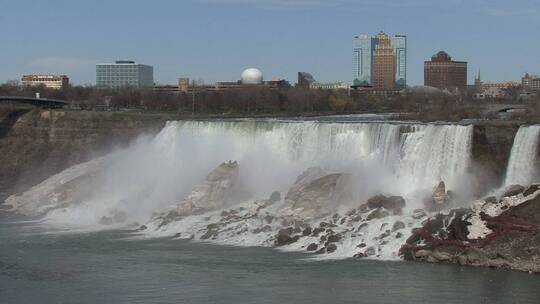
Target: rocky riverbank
{"x":496,"y":232}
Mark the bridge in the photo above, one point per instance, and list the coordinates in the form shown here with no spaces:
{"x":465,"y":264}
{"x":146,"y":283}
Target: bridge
{"x":37,"y":102}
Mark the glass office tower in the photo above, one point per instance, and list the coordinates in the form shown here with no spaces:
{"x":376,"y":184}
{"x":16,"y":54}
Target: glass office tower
{"x":122,"y":74}
{"x":399,"y":42}
{"x":363,"y":60}
{"x":363,"y":51}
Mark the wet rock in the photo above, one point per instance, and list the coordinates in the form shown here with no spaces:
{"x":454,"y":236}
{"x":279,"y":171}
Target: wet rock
{"x":360,"y":255}
{"x":361,"y":245}
{"x":317,"y":231}
{"x":395,"y":204}
{"x":441,"y":256}
{"x":399,"y":235}
{"x":285,"y":239}
{"x":106,"y":220}
{"x":491,"y":200}
{"x":532,"y":189}
{"x":333,"y":238}
{"x":513,"y":190}
{"x":422,"y":253}
{"x":398,"y":226}
{"x":307,"y":231}
{"x":375,"y":202}
{"x":363,"y":225}
{"x":275,"y":197}
{"x":331,"y":248}
{"x":287,"y":231}
{"x":212,"y":194}
{"x":268,"y":218}
{"x":377,"y":214}
{"x":370,"y":251}
{"x":440,"y":197}
{"x":312,"y":247}
{"x":418,"y":214}
{"x":385,"y":234}
{"x":209,"y":234}
{"x":316,"y":195}
{"x":326,"y":225}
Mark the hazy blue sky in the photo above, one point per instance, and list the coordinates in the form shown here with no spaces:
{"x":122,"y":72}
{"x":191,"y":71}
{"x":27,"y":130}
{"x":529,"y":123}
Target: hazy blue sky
{"x":215,"y":39}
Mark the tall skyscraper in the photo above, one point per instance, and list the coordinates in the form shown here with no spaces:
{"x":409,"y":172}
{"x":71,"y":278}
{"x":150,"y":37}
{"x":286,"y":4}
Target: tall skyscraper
{"x":123,"y":74}
{"x":384,"y":64}
{"x":363,"y":59}
{"x":443,"y":73}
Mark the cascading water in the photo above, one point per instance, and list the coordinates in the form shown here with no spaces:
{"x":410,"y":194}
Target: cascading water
{"x":522,"y":165}
{"x":398,"y":159}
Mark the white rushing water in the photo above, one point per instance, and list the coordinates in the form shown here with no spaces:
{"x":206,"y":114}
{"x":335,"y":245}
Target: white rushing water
{"x":397,"y":159}
{"x":134,"y":184}
{"x":523,"y":164}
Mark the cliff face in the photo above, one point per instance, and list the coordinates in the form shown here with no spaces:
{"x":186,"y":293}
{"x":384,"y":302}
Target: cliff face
{"x":38,"y":143}
{"x":492,"y":144}
{"x":35,"y":144}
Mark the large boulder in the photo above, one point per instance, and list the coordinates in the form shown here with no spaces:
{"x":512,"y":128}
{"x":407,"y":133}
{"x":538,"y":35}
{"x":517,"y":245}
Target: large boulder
{"x":212,"y":194}
{"x":392,"y":203}
{"x":303,"y":181}
{"x":513,"y":190}
{"x":319,"y":196}
{"x":439,"y":194}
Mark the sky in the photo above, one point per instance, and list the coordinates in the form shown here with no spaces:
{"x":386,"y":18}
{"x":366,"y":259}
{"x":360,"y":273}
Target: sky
{"x":214,"y":40}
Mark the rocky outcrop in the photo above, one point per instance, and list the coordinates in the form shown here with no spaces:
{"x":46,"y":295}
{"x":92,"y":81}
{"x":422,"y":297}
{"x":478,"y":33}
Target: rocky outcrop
{"x":212,"y":194}
{"x":313,"y":195}
{"x":501,"y":234}
{"x":61,"y":190}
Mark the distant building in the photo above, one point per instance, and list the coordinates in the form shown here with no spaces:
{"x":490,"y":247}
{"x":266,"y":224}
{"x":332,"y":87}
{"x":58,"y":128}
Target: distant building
{"x":443,"y":73}
{"x":49,"y":81}
{"x":480,"y":86}
{"x":329,"y":86}
{"x":491,"y":93}
{"x":364,"y":57}
{"x":530,"y":82}
{"x":122,"y":74}
{"x":183,"y":84}
{"x":305,"y":79}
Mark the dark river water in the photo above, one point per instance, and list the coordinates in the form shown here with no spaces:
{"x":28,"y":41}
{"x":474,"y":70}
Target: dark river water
{"x":104,"y":267}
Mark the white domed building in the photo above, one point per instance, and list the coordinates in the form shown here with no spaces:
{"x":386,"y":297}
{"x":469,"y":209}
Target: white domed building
{"x":251,"y":77}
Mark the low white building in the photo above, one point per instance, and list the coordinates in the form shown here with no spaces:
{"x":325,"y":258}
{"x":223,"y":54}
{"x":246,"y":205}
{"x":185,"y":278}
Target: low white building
{"x":491,"y":93}
{"x":329,"y":86}
{"x":49,"y":81}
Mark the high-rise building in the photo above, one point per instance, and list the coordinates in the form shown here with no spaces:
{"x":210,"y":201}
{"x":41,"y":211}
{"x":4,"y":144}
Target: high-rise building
{"x":384,"y":64}
{"x":49,"y":81}
{"x":364,"y":58}
{"x":443,"y":73}
{"x":305,"y":79}
{"x":530,"y":82}
{"x":123,"y":74}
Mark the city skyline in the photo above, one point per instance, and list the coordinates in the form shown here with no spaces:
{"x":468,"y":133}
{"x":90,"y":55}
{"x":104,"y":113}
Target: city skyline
{"x":215,"y":40}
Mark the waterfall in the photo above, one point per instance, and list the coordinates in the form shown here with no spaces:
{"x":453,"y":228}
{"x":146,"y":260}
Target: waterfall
{"x":432,"y":153}
{"x":391,"y":158}
{"x":522,"y":165}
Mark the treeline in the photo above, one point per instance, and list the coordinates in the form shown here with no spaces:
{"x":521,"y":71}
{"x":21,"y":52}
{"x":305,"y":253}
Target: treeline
{"x":266,"y":101}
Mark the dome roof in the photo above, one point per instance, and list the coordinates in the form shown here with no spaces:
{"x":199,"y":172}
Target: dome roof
{"x":252,"y":76}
